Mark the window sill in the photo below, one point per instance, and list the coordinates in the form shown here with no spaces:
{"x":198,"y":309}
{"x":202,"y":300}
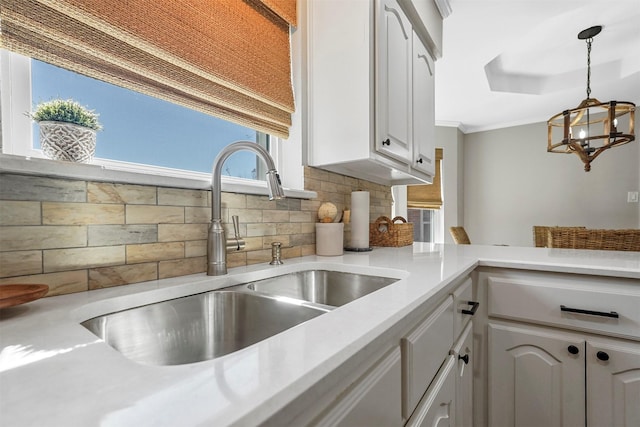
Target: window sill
{"x":115,"y":172}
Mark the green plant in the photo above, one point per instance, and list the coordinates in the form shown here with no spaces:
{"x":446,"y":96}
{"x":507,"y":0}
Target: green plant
{"x":66,"y":110}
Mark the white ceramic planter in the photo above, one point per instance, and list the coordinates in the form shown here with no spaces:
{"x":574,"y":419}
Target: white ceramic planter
{"x":67,"y":141}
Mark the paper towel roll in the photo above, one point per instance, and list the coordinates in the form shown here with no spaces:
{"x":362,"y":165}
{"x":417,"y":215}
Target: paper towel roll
{"x":360,"y":219}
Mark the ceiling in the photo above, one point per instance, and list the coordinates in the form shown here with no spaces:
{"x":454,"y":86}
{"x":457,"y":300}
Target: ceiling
{"x":513,"y":62}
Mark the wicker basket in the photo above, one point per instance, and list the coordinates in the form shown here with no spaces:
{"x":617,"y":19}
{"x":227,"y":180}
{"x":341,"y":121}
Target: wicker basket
{"x":385,"y":232}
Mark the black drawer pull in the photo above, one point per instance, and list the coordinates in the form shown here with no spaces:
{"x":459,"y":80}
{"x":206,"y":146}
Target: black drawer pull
{"x":601,"y":355}
{"x":474,"y":307}
{"x":590,"y":312}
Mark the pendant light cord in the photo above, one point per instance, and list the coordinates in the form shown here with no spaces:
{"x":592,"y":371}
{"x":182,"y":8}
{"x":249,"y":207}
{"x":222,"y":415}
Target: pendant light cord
{"x":589,"y":41}
{"x":586,"y":143}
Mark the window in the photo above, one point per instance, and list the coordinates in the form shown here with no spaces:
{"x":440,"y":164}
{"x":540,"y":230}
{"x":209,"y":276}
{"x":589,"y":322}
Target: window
{"x":423,"y":224}
{"x":144,"y":130}
{"x":15,"y":93}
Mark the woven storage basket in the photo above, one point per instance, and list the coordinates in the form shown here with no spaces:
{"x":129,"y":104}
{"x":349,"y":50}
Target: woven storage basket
{"x":385,"y":232}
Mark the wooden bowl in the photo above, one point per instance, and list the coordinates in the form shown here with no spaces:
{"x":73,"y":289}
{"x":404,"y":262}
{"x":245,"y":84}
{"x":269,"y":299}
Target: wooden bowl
{"x":11,"y":295}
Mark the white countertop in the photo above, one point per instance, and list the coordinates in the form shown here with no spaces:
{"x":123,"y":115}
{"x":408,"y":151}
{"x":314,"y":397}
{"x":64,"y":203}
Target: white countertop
{"x":55,"y":372}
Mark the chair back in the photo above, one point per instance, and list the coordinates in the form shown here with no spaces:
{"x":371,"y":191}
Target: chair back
{"x":608,"y":240}
{"x":459,"y":235}
{"x":540,"y":235}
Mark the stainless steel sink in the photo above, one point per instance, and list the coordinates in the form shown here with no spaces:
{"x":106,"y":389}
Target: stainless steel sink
{"x":197,"y":327}
{"x":209,"y":325}
{"x":332,"y":288}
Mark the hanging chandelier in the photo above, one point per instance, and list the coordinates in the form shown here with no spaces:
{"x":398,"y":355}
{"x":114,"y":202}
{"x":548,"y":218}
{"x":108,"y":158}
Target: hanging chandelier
{"x":593,"y":126}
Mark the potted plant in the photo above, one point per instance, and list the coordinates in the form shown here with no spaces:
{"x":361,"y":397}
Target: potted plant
{"x":67,"y":130}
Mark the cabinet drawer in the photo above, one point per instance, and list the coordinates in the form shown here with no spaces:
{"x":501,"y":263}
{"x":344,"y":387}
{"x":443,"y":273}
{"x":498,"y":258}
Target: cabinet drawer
{"x":464,"y":306}
{"x":607,"y":307}
{"x":423,"y":352}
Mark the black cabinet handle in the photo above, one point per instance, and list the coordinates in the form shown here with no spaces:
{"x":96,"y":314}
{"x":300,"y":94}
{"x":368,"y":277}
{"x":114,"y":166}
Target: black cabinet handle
{"x":386,"y":142}
{"x":419,"y":160}
{"x":601,"y":355}
{"x":474,"y":307}
{"x":464,"y":358}
{"x":573,"y":349}
{"x":612,"y":314}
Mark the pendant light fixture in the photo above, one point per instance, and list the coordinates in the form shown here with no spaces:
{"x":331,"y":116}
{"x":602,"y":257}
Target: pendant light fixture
{"x":593,"y":126}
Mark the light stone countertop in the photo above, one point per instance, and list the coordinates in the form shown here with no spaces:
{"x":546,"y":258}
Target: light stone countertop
{"x":55,"y":372}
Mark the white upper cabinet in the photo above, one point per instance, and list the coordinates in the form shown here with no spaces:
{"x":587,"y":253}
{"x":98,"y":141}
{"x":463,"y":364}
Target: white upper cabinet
{"x":369,"y":90}
{"x":394,"y":83}
{"x":424,"y":146}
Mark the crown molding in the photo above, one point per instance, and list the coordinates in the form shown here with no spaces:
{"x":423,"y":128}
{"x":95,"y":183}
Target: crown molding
{"x":451,"y":124}
{"x":444,"y":7}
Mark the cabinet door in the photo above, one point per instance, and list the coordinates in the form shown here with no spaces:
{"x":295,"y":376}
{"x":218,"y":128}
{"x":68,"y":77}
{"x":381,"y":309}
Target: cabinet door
{"x":393,"y":82}
{"x":613,"y":384}
{"x":423,"y":351}
{"x":437,"y":407}
{"x":423,"y":108}
{"x":374,"y":400}
{"x":464,"y":356}
{"x":536,"y":378}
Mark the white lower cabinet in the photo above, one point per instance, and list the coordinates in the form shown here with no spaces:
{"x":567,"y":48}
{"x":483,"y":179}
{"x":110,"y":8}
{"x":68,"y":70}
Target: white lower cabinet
{"x":437,"y":364}
{"x":423,"y":373}
{"x":539,"y":377}
{"x":534,"y":378}
{"x":561,"y":350}
{"x":437,"y":407}
{"x":613,"y":383}
{"x":465,"y":357}
{"x":373,"y":401}
{"x":423,"y":351}
{"x":449,"y":399}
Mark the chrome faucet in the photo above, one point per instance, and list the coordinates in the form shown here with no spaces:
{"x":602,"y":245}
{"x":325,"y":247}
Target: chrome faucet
{"x":217,"y":242}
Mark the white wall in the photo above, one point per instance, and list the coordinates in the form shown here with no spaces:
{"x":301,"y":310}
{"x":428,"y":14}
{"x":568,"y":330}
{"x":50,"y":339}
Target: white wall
{"x":511,"y":183}
{"x":451,"y":140}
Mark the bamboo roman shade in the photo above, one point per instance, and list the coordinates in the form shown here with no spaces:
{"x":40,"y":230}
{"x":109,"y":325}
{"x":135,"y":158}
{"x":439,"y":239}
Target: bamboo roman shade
{"x":427,"y":196}
{"x":227,"y":58}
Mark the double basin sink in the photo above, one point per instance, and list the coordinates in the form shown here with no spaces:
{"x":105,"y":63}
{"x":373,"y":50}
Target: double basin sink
{"x":209,"y":325}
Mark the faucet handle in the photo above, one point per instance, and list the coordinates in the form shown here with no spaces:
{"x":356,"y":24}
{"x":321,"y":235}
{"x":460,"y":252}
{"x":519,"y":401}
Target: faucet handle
{"x":236,"y":226}
{"x":235,"y":243}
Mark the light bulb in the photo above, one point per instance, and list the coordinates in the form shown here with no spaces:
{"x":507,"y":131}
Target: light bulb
{"x":582,"y":134}
{"x":615,"y":122}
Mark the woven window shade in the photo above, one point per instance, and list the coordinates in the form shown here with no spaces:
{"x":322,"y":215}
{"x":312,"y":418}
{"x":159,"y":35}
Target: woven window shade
{"x":427,"y":196}
{"x":227,"y":58}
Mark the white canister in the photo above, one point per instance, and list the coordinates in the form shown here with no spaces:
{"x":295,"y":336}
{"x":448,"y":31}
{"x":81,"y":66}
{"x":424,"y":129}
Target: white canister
{"x":329,"y":238}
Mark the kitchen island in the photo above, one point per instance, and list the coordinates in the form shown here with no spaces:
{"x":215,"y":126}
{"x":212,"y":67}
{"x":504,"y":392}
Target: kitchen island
{"x":53,"y":371}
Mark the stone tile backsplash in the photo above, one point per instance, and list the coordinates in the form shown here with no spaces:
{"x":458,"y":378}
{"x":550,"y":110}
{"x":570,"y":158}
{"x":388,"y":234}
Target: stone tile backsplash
{"x":81,"y":235}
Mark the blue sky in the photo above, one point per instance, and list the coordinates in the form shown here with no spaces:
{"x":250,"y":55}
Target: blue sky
{"x":140,"y":129}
